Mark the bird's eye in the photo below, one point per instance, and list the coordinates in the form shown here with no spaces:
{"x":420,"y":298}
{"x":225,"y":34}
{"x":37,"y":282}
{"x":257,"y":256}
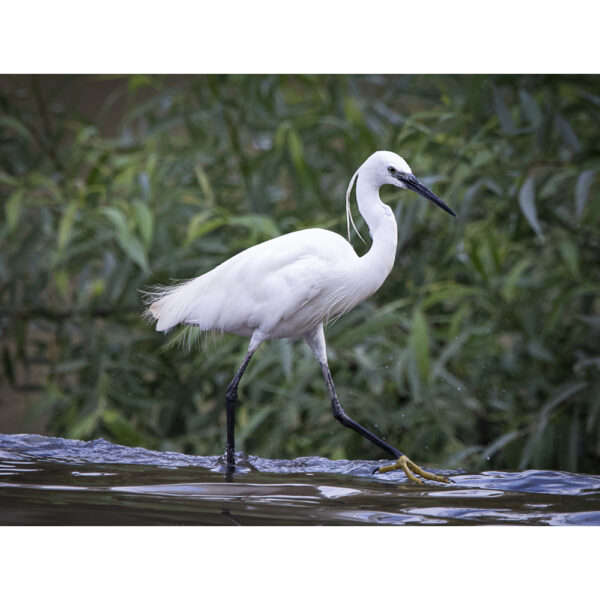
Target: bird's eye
{"x":391,"y":170}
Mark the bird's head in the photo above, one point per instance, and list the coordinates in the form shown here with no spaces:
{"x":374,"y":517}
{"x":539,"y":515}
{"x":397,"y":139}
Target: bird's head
{"x":385,"y":167}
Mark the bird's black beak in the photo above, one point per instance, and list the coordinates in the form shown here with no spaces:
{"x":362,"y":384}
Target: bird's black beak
{"x":412,"y":183}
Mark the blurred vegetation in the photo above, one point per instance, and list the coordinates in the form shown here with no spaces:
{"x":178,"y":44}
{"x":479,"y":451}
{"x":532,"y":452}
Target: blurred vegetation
{"x":481,"y":350}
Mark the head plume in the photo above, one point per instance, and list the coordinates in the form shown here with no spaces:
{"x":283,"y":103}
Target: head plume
{"x":349,"y":218}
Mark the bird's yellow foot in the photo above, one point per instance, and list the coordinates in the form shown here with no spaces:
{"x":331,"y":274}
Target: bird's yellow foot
{"x":411,"y":469}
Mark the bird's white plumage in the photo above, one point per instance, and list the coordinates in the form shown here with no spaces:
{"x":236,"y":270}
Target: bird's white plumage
{"x":289,"y":285}
{"x":282,"y":287}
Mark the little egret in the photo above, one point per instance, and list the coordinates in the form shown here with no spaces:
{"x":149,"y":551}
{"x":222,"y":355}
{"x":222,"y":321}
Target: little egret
{"x":291,"y":285}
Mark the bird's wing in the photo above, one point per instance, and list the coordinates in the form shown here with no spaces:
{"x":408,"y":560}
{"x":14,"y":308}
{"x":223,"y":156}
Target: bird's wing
{"x":276,"y":282}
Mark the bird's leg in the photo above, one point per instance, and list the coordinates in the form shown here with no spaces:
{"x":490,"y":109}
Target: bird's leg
{"x":402,"y":461}
{"x":344,"y":419}
{"x":316,"y":340}
{"x":231,"y":398}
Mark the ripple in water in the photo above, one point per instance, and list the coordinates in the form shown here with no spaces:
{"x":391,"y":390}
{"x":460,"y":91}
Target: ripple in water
{"x":47,"y":480}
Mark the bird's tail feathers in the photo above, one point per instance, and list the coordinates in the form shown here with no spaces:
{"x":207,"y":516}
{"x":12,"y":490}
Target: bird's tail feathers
{"x":166,"y":305}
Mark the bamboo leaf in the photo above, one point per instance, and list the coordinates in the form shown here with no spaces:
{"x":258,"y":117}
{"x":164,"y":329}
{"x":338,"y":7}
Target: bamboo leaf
{"x":84,"y":426}
{"x":296,"y":150}
{"x":202,"y":223}
{"x":582,"y":191}
{"x":567,"y":133}
{"x":565,"y":392}
{"x":527,"y":204}
{"x":12,"y":209}
{"x":120,"y":427}
{"x":257,"y":224}
{"x":117,"y":218}
{"x":514,"y":276}
{"x":6,"y":179}
{"x":503,"y":114}
{"x":500,"y":443}
{"x":125,"y":238}
{"x":16,"y":125}
{"x":419,"y":341}
{"x":569,"y":253}
{"x":145,"y":221}
{"x":66,"y":225}
{"x":134,"y":249}
{"x":531,"y":108}
{"x":204,"y":183}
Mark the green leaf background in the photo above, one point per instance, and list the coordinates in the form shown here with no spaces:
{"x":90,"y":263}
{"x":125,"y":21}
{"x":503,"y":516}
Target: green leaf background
{"x":481,"y":350}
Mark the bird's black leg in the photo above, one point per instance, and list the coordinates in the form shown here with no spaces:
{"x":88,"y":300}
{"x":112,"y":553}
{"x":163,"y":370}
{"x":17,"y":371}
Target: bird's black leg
{"x":344,"y":419}
{"x":316,"y":340}
{"x":231,"y":398}
{"x":402,"y":461}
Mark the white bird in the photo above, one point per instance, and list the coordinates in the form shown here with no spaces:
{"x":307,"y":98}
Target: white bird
{"x":291,"y":285}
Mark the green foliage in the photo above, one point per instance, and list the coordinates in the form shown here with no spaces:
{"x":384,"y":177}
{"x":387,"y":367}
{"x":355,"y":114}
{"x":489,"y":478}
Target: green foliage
{"x":481,"y":349}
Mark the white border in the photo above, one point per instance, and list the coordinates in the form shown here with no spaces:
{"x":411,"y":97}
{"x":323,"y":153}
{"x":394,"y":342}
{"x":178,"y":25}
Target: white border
{"x":316,"y":36}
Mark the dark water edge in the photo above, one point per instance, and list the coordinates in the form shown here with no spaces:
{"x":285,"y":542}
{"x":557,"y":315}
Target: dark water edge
{"x":54,"y":481}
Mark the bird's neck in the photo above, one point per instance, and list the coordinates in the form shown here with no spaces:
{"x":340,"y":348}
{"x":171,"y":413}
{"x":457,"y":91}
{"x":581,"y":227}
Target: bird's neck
{"x":382,"y":227}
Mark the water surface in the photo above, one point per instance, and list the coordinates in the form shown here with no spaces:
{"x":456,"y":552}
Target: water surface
{"x":54,"y":481}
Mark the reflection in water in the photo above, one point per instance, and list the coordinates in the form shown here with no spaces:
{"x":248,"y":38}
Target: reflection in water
{"x":55,"y":481}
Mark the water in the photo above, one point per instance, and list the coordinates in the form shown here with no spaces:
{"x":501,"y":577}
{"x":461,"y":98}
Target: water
{"x":47,"y":480}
